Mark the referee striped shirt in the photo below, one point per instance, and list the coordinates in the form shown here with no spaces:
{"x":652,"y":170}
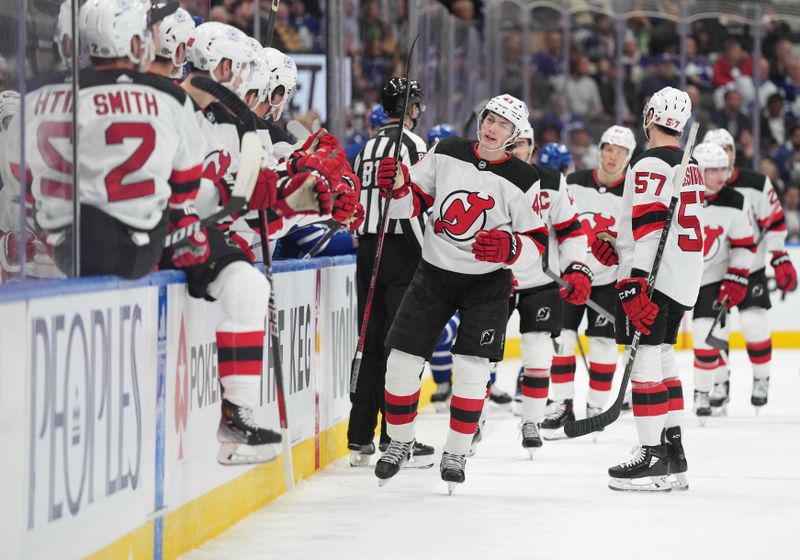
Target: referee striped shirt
{"x":366,"y":167}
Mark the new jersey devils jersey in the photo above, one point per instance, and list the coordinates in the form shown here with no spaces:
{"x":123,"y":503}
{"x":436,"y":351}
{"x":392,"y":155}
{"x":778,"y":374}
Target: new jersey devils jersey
{"x":567,"y":240}
{"x":138,"y":148}
{"x":728,"y":235}
{"x":466,"y":194}
{"x":766,"y":209}
{"x":645,"y":202}
{"x":599,"y":209}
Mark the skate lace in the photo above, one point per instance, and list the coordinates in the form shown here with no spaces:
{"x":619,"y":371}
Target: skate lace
{"x":396,"y":452}
{"x":529,"y":429}
{"x":451,"y":461}
{"x":760,"y":387}
{"x":558,"y":408}
{"x":246,"y":417}
{"x":638,"y":457}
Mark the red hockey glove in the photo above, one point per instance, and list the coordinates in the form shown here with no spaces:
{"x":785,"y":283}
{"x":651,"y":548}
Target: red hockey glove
{"x":347,"y":193}
{"x":328,"y":163}
{"x":243,"y":245}
{"x":9,"y":256}
{"x":194,"y":250}
{"x":265,"y":193}
{"x":320,"y":139}
{"x":632,"y":293}
{"x":304,"y":193}
{"x":579,"y":277}
{"x":734,"y":287}
{"x":603,"y":249}
{"x":356,"y":219}
{"x":785,"y":273}
{"x":393,"y":178}
{"x":496,"y":246}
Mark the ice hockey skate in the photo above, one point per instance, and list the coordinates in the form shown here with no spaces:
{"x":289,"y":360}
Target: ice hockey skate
{"x":719,"y":398}
{"x":646,"y":471}
{"x":242,"y":440}
{"x":360,"y":455}
{"x":393,"y":459}
{"x":499,"y":397}
{"x":671,"y":439}
{"x":478,"y":436}
{"x":560,"y":412}
{"x":421,"y":458}
{"x":531,"y":438}
{"x":758,"y":397}
{"x":441,"y":397}
{"x":452,"y":470}
{"x":702,"y":407}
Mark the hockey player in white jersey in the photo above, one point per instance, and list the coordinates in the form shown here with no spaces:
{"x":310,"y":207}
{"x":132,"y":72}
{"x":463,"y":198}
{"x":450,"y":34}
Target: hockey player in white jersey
{"x":170,"y":36}
{"x":598,"y":195}
{"x":728,"y":251}
{"x":770,"y":228}
{"x":657,"y":390}
{"x":537,"y":298}
{"x":482,"y":222}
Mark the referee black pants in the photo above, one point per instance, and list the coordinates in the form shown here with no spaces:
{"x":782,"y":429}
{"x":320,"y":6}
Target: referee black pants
{"x":398,"y":263}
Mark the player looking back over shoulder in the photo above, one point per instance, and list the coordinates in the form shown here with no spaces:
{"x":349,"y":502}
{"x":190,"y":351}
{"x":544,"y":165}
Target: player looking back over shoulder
{"x":657,"y":391}
{"x":728,"y":251}
{"x":482,"y":223}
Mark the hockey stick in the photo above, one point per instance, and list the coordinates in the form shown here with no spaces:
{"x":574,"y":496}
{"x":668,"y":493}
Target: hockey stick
{"x":272,"y":317}
{"x":381,"y":233}
{"x":711,"y":340}
{"x":588,"y":425}
{"x":583,"y":354}
{"x":320,"y":245}
{"x":564,"y":284}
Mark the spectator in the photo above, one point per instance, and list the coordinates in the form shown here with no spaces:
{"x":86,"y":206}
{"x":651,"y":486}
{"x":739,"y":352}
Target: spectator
{"x":732,"y":64}
{"x":747,"y":87}
{"x":219,"y":14}
{"x":745,"y":148}
{"x":464,"y":10}
{"x":699,"y":114}
{"x":783,"y":157}
{"x":790,"y":87}
{"x":549,"y":63}
{"x":583,"y":94}
{"x":291,"y":40}
{"x":775,"y":123}
{"x":698,"y":70}
{"x":767,"y":167}
{"x":370,"y":24}
{"x":791,"y":209}
{"x":376,"y":68}
{"x":585,"y":153}
{"x":665,"y":76}
{"x":305,"y":25}
{"x":241,"y":16}
{"x":731,"y":117}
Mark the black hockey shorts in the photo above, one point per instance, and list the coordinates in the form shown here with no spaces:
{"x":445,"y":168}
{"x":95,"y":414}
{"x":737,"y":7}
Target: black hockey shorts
{"x":664,"y":329}
{"x":707,"y":306}
{"x":222,"y":252}
{"x":606,"y":297}
{"x":435,"y":295}
{"x":109,"y":246}
{"x":540,"y":309}
{"x":757,"y":291}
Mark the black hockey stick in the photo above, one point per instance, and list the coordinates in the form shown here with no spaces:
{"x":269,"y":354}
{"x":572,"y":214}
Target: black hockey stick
{"x":320,"y":245}
{"x":588,"y":425}
{"x":273,"y":15}
{"x":381,"y":233}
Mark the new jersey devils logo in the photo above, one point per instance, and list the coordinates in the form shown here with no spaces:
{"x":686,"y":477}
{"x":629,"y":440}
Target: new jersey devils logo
{"x":463,"y":213}
{"x":711,"y":240}
{"x":593,"y":224}
{"x":216,"y":165}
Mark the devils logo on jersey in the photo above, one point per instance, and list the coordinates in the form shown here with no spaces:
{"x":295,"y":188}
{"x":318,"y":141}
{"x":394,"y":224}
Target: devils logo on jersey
{"x":593,"y":224}
{"x":216,"y":165}
{"x":463,"y":214}
{"x":711,"y":240}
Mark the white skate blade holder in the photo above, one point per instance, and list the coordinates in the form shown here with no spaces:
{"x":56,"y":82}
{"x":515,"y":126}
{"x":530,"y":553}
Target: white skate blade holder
{"x":678,"y":481}
{"x":451,"y":486}
{"x":554,"y":435}
{"x":643,"y":484}
{"x":358,"y":459}
{"x":232,"y":453}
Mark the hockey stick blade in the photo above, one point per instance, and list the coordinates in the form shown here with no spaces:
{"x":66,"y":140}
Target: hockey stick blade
{"x":713,"y":341}
{"x":586,"y":426}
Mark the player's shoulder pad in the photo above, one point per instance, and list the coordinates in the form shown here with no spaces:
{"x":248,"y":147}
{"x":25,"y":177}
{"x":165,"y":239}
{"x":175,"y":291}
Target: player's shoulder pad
{"x":551,"y":178}
{"x":94,"y":78}
{"x":584,"y":178}
{"x":669,"y":155}
{"x":514,"y":170}
{"x":729,"y":197}
{"x":748,"y":179}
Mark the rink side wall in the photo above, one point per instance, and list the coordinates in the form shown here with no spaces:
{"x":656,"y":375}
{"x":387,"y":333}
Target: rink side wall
{"x":109,"y":401}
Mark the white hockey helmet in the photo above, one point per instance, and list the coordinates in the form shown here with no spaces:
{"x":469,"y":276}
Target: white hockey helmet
{"x":510,"y":108}
{"x":621,"y":136}
{"x":710,"y":156}
{"x":108,"y":26}
{"x":175,"y":29}
{"x":721,"y":138}
{"x":213,"y":41}
{"x":284,"y":73}
{"x":257,"y":78}
{"x":9,"y":106}
{"x":671,"y":109}
{"x":527,"y":132}
{"x":62,"y":36}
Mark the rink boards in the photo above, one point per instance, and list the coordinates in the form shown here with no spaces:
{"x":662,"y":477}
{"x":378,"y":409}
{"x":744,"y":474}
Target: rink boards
{"x":109,"y":398}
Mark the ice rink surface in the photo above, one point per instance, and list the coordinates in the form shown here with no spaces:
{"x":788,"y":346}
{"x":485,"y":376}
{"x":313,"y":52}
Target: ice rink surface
{"x":743,"y":502}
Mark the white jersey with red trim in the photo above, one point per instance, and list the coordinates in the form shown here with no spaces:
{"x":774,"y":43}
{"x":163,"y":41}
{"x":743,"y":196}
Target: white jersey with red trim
{"x":645,"y":202}
{"x":728,"y":242}
{"x":467,"y":194}
{"x":599,"y":207}
{"x":766,"y":210}
{"x":138,"y":141}
{"x":566,"y":239}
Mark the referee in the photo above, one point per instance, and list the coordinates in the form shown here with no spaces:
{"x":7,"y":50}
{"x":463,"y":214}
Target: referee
{"x":402,"y":248}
